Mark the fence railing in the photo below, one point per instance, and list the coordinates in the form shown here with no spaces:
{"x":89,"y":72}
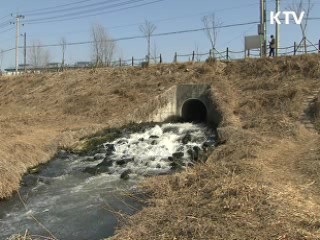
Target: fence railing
{"x":225,"y":55}
{"x":196,"y":56}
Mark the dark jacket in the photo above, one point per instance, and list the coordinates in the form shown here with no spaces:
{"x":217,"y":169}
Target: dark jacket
{"x":272,"y":43}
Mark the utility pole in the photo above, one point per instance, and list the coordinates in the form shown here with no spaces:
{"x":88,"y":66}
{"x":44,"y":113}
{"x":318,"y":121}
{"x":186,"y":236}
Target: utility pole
{"x":25,"y":52}
{"x":277,"y":29}
{"x":263,"y":28}
{"x":261,"y":31}
{"x":18,"y":17}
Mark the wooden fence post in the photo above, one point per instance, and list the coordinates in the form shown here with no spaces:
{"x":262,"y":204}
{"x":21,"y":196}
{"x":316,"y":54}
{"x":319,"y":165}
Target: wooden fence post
{"x":192,"y":56}
{"x":319,"y":46}
{"x":120,"y":62}
{"x":227,"y":54}
{"x":294,"y":48}
{"x":175,"y":58}
{"x":160,"y":58}
{"x":132,"y":61}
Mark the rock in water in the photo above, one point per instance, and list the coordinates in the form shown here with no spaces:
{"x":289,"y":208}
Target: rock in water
{"x":90,"y":170}
{"x":105,"y":163}
{"x":125,"y":175}
{"x":121,"y":162}
{"x":110,"y":148}
{"x":187,"y":138}
{"x":154,"y":142}
{"x":102,"y":167}
{"x":209,"y":143}
{"x":178,"y":155}
{"x":96,"y":170}
{"x":176,"y":164}
{"x":34,"y":170}
{"x":101,"y":150}
{"x":122,"y":141}
{"x":154,"y":136}
{"x":192,"y":154}
{"x":124,"y":161}
{"x":196,"y":151}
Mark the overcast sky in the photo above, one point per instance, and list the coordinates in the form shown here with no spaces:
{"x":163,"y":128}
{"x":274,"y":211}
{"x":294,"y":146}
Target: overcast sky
{"x":47,"y":21}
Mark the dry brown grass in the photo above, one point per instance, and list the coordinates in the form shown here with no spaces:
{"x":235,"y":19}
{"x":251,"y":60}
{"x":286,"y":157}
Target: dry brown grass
{"x":262,"y":184}
{"x":314,"y":112}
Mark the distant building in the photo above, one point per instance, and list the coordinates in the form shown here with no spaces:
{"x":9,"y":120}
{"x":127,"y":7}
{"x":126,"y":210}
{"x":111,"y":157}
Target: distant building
{"x":53,"y":65}
{"x":21,"y":66}
{"x":83,"y":64}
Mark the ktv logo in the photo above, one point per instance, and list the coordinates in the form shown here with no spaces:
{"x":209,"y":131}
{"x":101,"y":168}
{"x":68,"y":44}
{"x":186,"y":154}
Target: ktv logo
{"x":288,"y":16}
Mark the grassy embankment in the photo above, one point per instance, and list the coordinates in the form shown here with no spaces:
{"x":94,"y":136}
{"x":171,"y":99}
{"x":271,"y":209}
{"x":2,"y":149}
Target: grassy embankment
{"x":262,"y":184}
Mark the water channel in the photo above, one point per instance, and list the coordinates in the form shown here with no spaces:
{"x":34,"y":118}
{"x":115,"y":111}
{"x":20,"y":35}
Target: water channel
{"x":77,"y":196}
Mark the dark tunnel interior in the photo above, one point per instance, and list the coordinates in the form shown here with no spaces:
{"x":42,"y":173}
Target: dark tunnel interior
{"x":193,"y":110}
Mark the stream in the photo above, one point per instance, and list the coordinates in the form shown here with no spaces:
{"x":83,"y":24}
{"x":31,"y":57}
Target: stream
{"x":79,"y":196}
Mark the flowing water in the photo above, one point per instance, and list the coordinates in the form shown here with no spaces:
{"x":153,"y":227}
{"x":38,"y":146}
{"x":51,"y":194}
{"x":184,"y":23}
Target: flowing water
{"x":77,"y":197}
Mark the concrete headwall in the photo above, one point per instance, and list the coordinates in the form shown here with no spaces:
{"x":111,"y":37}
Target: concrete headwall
{"x":166,"y":106}
{"x":181,"y":101}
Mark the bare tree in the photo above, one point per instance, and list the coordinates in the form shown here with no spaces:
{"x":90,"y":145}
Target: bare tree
{"x":109,"y":50}
{"x":38,"y":56}
{"x":147,"y":29}
{"x":211,"y":25}
{"x":63,"y":44}
{"x":103,"y":46}
{"x":197,"y":53}
{"x":155,"y":53}
{"x":299,"y":7}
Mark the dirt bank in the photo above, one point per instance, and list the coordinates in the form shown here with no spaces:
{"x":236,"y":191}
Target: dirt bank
{"x":262,"y":184}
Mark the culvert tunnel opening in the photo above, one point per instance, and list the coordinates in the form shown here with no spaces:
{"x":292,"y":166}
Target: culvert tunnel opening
{"x":194,"y":110}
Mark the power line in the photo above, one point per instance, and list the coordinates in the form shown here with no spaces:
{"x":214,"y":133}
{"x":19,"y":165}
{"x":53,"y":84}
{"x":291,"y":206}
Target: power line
{"x":84,"y":12}
{"x":91,"y":15}
{"x":5,"y":23}
{"x":163,"y":19}
{"x":7,"y":50}
{"x":7,"y":16}
{"x":170,"y":19}
{"x":58,"y":6}
{"x":186,"y":16}
{"x":242,"y":34}
{"x":7,"y":30}
{"x":153,"y":35}
{"x":72,"y":9}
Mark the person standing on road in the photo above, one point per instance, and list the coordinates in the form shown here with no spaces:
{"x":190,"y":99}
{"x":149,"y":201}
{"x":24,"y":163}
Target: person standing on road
{"x":272,"y":46}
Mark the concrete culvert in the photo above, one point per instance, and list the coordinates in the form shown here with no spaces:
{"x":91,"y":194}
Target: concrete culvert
{"x":193,"y":110}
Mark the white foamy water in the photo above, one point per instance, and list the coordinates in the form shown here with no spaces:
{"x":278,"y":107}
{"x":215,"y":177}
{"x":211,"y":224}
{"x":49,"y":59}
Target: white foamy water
{"x":149,"y":151}
{"x":73,"y":195}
